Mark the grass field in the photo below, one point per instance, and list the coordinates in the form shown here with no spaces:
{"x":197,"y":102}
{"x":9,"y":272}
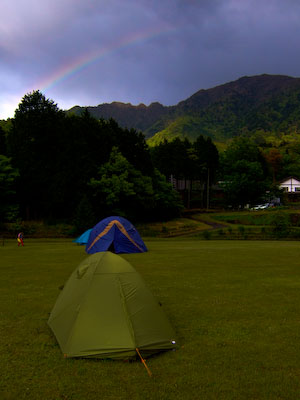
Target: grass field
{"x":233,"y":304}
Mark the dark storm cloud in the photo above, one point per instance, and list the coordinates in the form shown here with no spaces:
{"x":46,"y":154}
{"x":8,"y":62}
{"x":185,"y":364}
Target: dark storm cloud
{"x":149,"y":50}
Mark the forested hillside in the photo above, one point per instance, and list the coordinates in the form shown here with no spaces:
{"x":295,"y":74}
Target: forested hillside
{"x":139,"y":117}
{"x":264,"y":105}
{"x":55,"y":166}
{"x":62,"y":166}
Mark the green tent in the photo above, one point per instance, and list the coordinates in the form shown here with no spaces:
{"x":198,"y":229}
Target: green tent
{"x":106,"y":311}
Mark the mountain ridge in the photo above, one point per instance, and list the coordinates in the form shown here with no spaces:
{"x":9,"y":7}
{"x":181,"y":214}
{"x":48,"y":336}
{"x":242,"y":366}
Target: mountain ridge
{"x":261,"y":102}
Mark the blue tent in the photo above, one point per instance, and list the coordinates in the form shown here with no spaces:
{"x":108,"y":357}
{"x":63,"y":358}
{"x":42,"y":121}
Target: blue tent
{"x":83,"y":239}
{"x":115,"y":234}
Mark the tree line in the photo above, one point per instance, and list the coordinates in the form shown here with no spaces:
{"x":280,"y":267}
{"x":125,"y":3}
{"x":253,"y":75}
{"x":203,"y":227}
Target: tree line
{"x":55,"y":166}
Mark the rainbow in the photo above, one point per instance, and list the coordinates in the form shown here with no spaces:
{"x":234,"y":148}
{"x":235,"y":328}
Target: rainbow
{"x":84,"y":61}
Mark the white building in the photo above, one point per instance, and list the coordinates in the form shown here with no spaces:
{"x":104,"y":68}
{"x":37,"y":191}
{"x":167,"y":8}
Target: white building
{"x":290,"y":185}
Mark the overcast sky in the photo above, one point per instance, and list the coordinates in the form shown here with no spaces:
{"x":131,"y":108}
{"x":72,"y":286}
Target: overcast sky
{"x":88,"y":52}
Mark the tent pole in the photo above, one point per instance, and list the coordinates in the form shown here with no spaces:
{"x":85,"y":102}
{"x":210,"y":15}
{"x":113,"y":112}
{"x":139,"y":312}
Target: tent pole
{"x":144,"y":362}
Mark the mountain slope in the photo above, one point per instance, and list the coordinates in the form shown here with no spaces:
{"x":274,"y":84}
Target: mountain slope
{"x":139,"y":117}
{"x":269,"y":103}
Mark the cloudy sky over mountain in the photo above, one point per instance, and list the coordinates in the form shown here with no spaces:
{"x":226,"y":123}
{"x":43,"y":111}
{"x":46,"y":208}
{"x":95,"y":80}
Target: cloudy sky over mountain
{"x":88,"y":52}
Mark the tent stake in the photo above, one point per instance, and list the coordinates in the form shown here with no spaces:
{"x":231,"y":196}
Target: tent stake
{"x":144,"y":362}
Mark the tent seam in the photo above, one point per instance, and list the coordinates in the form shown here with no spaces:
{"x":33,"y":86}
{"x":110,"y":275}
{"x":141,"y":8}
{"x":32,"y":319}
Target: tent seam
{"x":129,"y":322}
{"x":82,"y":302}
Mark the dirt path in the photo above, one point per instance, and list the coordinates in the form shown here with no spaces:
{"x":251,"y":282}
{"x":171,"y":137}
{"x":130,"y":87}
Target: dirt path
{"x":212,"y":224}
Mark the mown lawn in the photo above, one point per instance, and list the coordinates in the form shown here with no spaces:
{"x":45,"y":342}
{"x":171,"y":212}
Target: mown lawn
{"x":233,"y":304}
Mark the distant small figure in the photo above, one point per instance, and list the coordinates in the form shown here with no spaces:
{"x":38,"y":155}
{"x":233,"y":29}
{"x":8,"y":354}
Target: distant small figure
{"x":20,"y":239}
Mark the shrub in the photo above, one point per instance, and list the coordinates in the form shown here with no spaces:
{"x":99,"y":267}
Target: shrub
{"x":241,"y":229}
{"x":281,"y":225}
{"x":295,"y":234}
{"x":164,"y":229}
{"x":207,"y":235}
{"x":229,"y":230}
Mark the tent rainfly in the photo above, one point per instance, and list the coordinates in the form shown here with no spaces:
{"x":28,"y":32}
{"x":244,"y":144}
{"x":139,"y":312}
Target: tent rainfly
{"x":116,"y":234}
{"x":105,"y":310}
{"x":83,"y":239}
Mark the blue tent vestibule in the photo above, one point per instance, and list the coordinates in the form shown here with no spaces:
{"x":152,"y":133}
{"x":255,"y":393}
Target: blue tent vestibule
{"x":116,"y":234}
{"x":83,"y":239}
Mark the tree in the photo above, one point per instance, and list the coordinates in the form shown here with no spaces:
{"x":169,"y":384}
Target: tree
{"x":244,"y":173}
{"x":207,"y":156}
{"x":245,"y":183}
{"x":167,"y":202}
{"x":57,"y":155}
{"x":8,"y":175}
{"x":35,"y":104}
{"x":290,"y":165}
{"x":84,"y":216}
{"x":206,"y":162}
{"x":274,"y":160}
{"x":121,"y":189}
{"x":32,"y":144}
{"x":133,"y":146}
{"x":172,"y":158}
{"x":2,"y":142}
